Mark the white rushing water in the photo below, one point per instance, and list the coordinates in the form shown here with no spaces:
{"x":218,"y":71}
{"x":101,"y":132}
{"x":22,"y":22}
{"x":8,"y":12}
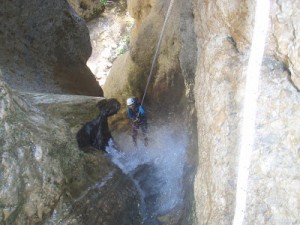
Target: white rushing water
{"x":157,"y":169}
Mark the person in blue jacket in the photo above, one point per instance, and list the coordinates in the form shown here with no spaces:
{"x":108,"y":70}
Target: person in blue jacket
{"x":137,"y":115}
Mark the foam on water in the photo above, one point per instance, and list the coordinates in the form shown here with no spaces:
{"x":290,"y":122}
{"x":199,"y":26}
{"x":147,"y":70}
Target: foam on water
{"x":165,"y":155}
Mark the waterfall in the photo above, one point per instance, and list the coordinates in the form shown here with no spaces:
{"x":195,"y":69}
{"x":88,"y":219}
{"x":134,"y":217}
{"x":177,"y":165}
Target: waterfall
{"x":157,"y":169}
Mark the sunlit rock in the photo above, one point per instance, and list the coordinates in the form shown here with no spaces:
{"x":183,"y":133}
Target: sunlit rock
{"x":173,"y":73}
{"x":286,"y":39}
{"x":109,"y":38}
{"x":224,"y":32}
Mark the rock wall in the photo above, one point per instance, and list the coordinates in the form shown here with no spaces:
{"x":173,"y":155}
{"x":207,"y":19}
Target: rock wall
{"x":44,"y":48}
{"x":132,"y":69}
{"x":224,"y":32}
{"x":202,"y":66}
{"x":45,"y":178}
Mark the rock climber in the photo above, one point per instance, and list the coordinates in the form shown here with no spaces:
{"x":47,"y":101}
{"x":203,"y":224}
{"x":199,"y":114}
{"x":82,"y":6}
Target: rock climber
{"x":137,"y":115}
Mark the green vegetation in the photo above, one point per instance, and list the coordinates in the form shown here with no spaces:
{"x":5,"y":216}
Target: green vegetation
{"x":103,"y":2}
{"x":124,"y":45}
{"x":122,"y":50}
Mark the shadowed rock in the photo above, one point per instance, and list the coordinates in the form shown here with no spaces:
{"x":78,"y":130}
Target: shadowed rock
{"x":96,"y":133}
{"x":44,"y":47}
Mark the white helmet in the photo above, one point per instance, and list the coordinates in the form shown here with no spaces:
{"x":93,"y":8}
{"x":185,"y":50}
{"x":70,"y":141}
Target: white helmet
{"x":130,"y":101}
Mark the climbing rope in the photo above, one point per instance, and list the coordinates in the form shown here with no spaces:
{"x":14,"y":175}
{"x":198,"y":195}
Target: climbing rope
{"x":157,"y":49}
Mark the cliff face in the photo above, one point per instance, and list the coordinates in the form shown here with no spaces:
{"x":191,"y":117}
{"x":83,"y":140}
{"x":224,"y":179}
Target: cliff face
{"x":203,"y":66}
{"x":225,"y":34}
{"x":44,"y":48}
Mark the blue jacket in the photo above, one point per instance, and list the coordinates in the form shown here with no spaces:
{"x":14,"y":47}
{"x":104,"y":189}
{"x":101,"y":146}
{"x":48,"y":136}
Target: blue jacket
{"x":138,"y":110}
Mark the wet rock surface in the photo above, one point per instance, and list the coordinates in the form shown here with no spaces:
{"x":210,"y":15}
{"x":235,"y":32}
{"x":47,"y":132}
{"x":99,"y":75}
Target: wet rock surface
{"x":109,"y":206}
{"x":96,"y":133}
{"x":44,"y":173}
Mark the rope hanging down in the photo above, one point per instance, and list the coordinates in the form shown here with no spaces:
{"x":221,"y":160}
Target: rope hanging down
{"x":157,"y":49}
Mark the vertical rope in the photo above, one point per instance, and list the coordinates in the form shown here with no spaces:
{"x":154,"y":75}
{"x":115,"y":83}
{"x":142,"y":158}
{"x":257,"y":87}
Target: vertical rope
{"x":157,"y":49}
{"x":261,"y":23}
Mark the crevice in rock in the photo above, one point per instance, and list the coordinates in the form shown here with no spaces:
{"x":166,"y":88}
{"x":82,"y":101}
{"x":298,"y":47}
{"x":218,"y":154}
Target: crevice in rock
{"x":233,"y":43}
{"x":289,"y":76}
{"x":274,"y":63}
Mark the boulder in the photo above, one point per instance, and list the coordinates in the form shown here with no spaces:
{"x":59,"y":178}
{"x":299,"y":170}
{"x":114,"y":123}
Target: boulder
{"x":44,"y":174}
{"x":44,"y":48}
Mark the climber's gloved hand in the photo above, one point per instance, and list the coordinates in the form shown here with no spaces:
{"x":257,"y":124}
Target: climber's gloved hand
{"x":136,"y":120}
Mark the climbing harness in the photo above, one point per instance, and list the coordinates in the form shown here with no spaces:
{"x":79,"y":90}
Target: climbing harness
{"x":157,"y":48}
